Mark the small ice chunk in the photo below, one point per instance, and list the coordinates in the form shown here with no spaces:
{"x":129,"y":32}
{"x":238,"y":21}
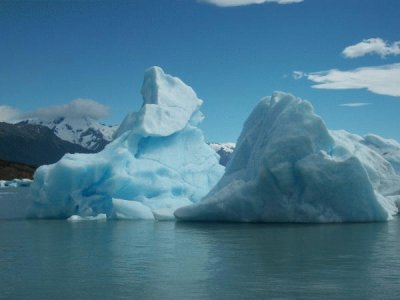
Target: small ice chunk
{"x":76,"y":218}
{"x":164,"y":214}
{"x":130,"y":210}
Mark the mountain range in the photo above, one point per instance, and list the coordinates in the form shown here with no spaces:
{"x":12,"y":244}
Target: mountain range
{"x":85,"y":131}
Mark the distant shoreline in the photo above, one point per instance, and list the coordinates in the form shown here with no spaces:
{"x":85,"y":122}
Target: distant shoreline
{"x":14,"y":170}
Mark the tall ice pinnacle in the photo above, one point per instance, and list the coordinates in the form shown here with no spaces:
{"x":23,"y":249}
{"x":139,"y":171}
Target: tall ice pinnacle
{"x":168,"y":106}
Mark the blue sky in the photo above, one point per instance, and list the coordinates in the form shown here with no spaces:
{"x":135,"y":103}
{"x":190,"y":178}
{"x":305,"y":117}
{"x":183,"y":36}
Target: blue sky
{"x":52,"y":52}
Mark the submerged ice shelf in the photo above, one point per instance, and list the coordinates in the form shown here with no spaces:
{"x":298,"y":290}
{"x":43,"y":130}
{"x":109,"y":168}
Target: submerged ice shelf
{"x":158,"y":162}
{"x":288,"y":167}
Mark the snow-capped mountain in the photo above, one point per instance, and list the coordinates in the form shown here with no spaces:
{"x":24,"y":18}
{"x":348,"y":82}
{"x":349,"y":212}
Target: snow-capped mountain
{"x":85,"y":131}
{"x":224,"y":150}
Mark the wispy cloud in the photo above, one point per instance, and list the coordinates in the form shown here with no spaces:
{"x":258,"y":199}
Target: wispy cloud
{"x":230,"y":3}
{"x":76,"y":109}
{"x":355,"y":104}
{"x":8,"y":113}
{"x":298,"y":75}
{"x":372,"y":46}
{"x":383,"y":80}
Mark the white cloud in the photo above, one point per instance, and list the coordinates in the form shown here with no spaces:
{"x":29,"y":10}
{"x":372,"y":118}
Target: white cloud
{"x":298,"y":75}
{"x":77,"y":108}
{"x":355,"y":104}
{"x":383,"y":80}
{"x":372,"y":46}
{"x":228,"y":3}
{"x":8,"y":113}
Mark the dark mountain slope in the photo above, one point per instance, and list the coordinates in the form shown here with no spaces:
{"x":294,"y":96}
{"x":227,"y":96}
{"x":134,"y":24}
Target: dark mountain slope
{"x":33,"y":144}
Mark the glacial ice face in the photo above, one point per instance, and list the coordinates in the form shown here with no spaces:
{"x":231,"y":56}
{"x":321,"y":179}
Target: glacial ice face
{"x":388,"y":148}
{"x":379,"y":157}
{"x":287,"y":167}
{"x":158,"y":162}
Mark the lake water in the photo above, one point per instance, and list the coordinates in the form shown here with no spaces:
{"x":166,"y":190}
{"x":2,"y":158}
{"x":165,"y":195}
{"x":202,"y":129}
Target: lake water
{"x":54,"y":259}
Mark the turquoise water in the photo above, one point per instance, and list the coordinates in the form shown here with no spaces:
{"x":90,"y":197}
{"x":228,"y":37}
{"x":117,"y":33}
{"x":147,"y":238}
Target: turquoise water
{"x":55,"y":259}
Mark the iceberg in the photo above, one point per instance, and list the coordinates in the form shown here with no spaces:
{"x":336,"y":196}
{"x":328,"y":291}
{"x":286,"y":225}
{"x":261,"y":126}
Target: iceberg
{"x":157,"y":163}
{"x":288,"y":167}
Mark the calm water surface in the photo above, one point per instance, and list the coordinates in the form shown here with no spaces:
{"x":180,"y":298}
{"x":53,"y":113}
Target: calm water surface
{"x":54,"y":259}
